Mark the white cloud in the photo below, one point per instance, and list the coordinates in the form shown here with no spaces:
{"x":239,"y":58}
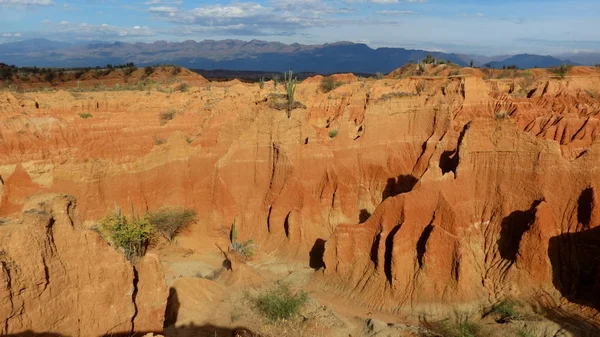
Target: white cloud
{"x":393,"y":12}
{"x":26,"y":3}
{"x":163,"y":9}
{"x":136,"y":27}
{"x":385,"y":1}
{"x":64,"y":22}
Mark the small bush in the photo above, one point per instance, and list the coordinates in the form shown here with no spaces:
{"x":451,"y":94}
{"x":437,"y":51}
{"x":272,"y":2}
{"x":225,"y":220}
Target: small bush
{"x":170,"y":221}
{"x":505,"y":311}
{"x":130,"y":235}
{"x":379,"y":75}
{"x":85,"y":115}
{"x":429,"y":59}
{"x":261,"y":82}
{"x":462,"y":328}
{"x":167,"y":116}
{"x":333,"y":133}
{"x":562,"y":70}
{"x":183,"y":87}
{"x":148,"y":71}
{"x":128,"y":71}
{"x":279,"y":303}
{"x":396,"y":94}
{"x":275,"y":81}
{"x":328,"y":84}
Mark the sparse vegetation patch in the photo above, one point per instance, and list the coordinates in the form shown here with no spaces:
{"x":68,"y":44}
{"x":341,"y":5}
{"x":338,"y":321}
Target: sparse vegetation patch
{"x":131,"y":235}
{"x":167,"y":116}
{"x":329,"y":83}
{"x":85,"y":115}
{"x":280,"y":303}
{"x":171,"y":220}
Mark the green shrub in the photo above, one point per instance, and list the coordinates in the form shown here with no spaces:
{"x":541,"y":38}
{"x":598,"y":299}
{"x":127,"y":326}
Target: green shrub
{"x":505,"y":311}
{"x":328,"y":84}
{"x":279,"y":303}
{"x":148,"y":71}
{"x":429,"y":59}
{"x":183,"y":87}
{"x":131,"y":236}
{"x":85,"y":115}
{"x":261,"y":82}
{"x":275,"y":81}
{"x":379,"y":75}
{"x":167,"y":116}
{"x":462,"y":328}
{"x":333,"y":133}
{"x":562,"y":70}
{"x":170,"y":221}
{"x":245,"y":249}
{"x":128,"y":71}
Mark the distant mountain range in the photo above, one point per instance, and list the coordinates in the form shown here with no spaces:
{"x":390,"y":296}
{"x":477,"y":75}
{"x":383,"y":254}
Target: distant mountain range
{"x":252,"y":55}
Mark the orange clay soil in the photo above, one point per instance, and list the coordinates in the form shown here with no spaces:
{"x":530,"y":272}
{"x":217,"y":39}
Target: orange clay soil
{"x":408,"y":195}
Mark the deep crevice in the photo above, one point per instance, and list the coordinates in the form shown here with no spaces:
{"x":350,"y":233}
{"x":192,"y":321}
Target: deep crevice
{"x":422,"y":243}
{"x":389,"y":247}
{"x":316,"y":255}
{"x":133,"y":298}
{"x":269,"y":219}
{"x":375,"y":250}
{"x":363,"y":216}
{"x":286,"y":225}
{"x":401,"y":184}
{"x":513,"y":227}
{"x":585,"y":204}
{"x":449,"y":160}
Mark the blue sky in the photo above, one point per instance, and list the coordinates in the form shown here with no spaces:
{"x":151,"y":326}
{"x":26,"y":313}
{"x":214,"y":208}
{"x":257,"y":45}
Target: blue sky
{"x":489,"y":27}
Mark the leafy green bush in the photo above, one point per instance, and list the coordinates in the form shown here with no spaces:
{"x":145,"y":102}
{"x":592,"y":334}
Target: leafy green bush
{"x":328,"y":84}
{"x":130,"y":235}
{"x":261,"y":82}
{"x":379,"y":75}
{"x":170,"y":221}
{"x":505,"y":311}
{"x":275,"y":81}
{"x":279,"y":303}
{"x":333,"y":133}
{"x":85,"y":115}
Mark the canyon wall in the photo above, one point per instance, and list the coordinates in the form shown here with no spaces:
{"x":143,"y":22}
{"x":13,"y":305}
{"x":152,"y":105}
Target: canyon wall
{"x":55,"y":278}
{"x":430,"y":191}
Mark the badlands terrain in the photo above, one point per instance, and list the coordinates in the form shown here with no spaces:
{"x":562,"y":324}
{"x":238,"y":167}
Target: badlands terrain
{"x":432,"y":202}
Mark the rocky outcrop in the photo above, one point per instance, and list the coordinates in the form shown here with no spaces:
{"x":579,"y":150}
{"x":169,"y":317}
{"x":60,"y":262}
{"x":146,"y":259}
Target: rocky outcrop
{"x":510,"y":218}
{"x":420,"y":191}
{"x":55,"y":278}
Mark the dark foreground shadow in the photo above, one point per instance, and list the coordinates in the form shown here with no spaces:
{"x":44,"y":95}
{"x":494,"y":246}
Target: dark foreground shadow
{"x":575,"y":259}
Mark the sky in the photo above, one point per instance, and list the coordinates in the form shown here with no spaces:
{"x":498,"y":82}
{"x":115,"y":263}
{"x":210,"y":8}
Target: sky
{"x":485,"y":27}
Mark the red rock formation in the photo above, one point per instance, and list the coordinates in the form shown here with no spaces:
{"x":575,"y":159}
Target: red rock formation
{"x":55,"y":278}
{"x":461,"y":214}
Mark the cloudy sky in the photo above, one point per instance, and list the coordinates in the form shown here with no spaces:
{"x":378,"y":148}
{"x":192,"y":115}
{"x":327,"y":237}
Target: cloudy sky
{"x":488,"y":27}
